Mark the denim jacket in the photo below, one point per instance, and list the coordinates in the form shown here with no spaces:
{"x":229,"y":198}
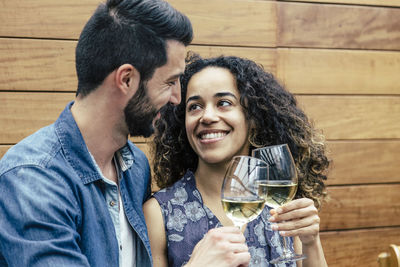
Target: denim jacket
{"x":52,"y":207}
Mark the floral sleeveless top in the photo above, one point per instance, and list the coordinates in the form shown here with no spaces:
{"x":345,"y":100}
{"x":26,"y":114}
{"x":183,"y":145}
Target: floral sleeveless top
{"x":187,"y":220}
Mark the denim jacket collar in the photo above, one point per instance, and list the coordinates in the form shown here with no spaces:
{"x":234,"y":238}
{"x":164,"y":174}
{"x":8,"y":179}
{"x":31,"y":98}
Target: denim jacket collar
{"x":77,"y":153}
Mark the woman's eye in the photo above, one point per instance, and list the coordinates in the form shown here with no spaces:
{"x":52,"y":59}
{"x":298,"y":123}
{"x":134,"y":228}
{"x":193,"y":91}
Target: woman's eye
{"x":224,"y":103}
{"x":193,"y":107}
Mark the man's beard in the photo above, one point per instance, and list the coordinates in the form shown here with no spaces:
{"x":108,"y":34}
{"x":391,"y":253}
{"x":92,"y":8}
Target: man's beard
{"x":140,"y":113}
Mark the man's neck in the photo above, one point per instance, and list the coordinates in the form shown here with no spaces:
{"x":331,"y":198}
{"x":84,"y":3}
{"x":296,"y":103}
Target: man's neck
{"x":102,"y":131}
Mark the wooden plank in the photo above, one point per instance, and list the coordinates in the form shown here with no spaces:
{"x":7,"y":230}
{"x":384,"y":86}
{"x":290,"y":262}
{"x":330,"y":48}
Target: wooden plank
{"x":358,"y":247}
{"x":361,"y":206}
{"x":353,"y":162}
{"x":354,"y":117}
{"x":21,"y":114}
{"x":320,"y":71}
{"x":340,"y":117}
{"x":267,"y":57}
{"x":227,"y":22}
{"x":358,"y":162}
{"x":45,"y":18}
{"x":49,"y":65}
{"x":355,"y":2}
{"x":33,"y":65}
{"x":338,"y":26}
{"x":246,"y":23}
{"x":3,"y":150}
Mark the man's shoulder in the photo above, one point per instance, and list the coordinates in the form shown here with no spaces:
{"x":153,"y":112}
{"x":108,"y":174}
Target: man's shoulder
{"x":35,"y":150}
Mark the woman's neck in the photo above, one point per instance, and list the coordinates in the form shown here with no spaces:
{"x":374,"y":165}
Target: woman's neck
{"x":209,"y":180}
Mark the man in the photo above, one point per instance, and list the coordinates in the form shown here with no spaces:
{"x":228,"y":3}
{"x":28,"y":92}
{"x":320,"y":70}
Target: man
{"x":71,"y":194}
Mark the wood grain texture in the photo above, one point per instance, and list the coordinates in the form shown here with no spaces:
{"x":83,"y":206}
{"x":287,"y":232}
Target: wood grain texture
{"x":338,"y":26}
{"x":45,"y":18}
{"x":354,"y":117}
{"x":361,"y":206}
{"x":49,"y":65}
{"x":21,"y":114}
{"x":364,"y":162}
{"x":37,"y":65}
{"x":358,"y":247}
{"x":341,"y":117}
{"x":267,"y":57}
{"x":386,"y":3}
{"x":3,"y":150}
{"x":226,"y":22}
{"x":325,"y":71}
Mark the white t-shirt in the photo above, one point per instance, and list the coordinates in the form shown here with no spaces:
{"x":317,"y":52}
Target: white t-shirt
{"x":127,"y":250}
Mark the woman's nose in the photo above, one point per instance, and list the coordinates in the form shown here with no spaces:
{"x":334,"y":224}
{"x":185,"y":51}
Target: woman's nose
{"x":209,"y":115}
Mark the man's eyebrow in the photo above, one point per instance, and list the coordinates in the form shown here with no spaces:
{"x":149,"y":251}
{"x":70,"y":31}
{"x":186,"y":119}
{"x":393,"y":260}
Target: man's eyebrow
{"x":176,"y":76}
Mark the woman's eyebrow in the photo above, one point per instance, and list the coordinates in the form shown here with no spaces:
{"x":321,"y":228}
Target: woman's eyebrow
{"x":192,"y":98}
{"x":222,"y":94}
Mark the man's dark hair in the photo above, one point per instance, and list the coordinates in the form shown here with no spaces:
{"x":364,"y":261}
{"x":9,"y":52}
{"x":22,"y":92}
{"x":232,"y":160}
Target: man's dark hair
{"x":127,"y":31}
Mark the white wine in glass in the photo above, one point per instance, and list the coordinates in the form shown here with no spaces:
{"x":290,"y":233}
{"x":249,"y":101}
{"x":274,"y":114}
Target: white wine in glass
{"x":240,"y":188}
{"x":280,"y":188}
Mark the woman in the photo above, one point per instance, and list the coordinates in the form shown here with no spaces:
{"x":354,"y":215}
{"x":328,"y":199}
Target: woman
{"x":229,"y":107}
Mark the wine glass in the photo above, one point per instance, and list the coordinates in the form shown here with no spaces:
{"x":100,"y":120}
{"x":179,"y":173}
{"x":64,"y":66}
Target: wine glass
{"x":239,"y":195}
{"x":280,"y":188}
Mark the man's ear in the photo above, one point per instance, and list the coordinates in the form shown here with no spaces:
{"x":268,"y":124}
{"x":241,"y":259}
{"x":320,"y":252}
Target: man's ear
{"x":127,"y":79}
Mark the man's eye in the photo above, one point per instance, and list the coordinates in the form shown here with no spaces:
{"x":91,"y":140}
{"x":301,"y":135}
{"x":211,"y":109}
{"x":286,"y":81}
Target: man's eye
{"x":172,"y":83}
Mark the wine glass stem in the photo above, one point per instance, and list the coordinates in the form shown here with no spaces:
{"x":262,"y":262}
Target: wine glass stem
{"x":285,"y":245}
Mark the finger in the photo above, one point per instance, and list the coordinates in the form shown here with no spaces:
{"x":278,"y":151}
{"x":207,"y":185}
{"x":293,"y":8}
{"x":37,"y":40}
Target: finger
{"x":297,"y":224}
{"x":241,"y":259}
{"x":308,"y":211}
{"x":308,"y":231}
{"x":238,"y":248}
{"x":295,"y":204}
{"x":227,"y":234}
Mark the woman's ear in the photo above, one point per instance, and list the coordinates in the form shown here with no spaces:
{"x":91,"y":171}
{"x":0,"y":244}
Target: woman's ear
{"x":127,"y":79}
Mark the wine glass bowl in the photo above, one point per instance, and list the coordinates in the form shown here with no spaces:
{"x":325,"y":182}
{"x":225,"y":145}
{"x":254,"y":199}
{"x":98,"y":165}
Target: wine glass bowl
{"x":280,"y":187}
{"x":240,"y":189}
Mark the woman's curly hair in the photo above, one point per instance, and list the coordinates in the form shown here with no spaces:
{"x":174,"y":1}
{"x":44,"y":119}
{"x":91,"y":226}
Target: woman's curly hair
{"x":274,"y":118}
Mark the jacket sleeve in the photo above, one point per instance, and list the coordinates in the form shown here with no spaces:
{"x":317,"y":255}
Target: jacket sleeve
{"x":39,"y":219}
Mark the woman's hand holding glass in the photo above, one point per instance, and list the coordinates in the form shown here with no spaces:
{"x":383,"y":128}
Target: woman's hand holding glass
{"x":279,"y":189}
{"x":297,"y":218}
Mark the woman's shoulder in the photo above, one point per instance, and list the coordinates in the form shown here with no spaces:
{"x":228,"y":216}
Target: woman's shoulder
{"x":178,"y":191}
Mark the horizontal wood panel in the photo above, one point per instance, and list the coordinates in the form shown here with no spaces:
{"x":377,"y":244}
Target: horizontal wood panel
{"x":354,"y":117}
{"x":358,"y":247}
{"x":320,"y":71}
{"x":226,"y":22}
{"x":3,"y":149}
{"x":267,"y":57}
{"x":21,"y":114}
{"x":43,"y":19}
{"x":49,"y":65}
{"x":37,"y":65}
{"x":338,"y":26}
{"x":357,"y":162}
{"x":361,"y":206}
{"x":355,"y":2}
{"x":340,"y":117}
{"x":372,"y":162}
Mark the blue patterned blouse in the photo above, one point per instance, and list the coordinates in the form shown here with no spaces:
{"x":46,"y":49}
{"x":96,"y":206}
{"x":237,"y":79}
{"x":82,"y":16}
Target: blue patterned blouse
{"x":187,"y":220}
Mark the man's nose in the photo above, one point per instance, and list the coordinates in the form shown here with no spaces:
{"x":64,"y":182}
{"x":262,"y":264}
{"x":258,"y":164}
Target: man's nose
{"x":176,"y":93}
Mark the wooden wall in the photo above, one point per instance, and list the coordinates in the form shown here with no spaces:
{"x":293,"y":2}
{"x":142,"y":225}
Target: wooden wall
{"x":340,"y":57}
